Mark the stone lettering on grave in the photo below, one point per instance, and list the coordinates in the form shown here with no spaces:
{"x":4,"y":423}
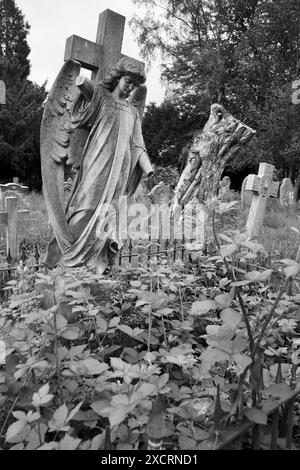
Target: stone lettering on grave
{"x":286,"y":192}
{"x":10,"y":217}
{"x":2,"y":92}
{"x":262,"y":187}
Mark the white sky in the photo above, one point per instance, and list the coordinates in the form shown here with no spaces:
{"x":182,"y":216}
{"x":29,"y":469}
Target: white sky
{"x":53,"y":21}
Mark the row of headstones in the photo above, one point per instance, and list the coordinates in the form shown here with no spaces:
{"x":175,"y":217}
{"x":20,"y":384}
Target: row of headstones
{"x":261,"y":186}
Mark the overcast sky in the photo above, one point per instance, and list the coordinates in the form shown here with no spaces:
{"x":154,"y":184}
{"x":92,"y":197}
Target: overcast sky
{"x":53,"y":21}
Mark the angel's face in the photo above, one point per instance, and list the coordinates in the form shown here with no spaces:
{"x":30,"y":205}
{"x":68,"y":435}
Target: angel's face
{"x":126,"y":85}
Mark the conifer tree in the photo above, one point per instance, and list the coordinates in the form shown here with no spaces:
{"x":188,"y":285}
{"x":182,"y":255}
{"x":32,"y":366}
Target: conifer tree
{"x":20,"y":117}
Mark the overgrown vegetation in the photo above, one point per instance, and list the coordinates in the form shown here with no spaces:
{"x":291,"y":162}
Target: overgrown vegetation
{"x":86,"y":357}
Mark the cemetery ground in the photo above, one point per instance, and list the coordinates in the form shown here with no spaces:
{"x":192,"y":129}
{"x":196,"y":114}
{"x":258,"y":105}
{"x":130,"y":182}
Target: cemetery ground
{"x":197,"y":353}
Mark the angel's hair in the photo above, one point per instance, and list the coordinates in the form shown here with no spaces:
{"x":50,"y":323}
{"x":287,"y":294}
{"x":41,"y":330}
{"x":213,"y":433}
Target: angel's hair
{"x":125,"y":66}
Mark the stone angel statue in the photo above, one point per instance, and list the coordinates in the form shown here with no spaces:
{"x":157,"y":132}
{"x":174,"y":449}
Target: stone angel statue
{"x":95,"y":128}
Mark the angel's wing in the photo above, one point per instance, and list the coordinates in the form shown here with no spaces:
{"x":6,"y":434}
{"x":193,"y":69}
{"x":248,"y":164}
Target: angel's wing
{"x":58,"y":145}
{"x":138,"y":99}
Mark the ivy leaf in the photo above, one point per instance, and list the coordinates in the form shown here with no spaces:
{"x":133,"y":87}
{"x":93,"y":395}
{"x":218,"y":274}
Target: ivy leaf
{"x":225,"y":238}
{"x":114,"y":322}
{"x":210,"y":356}
{"x":242,"y":361}
{"x":279,"y":391}
{"x":101,"y":324}
{"x":69,"y":443}
{"x":14,"y":429}
{"x":201,"y":307}
{"x":94,"y":367}
{"x":265,"y":275}
{"x":231,"y":317}
{"x":126,"y":329}
{"x":224,"y":282}
{"x":292,"y":270}
{"x":61,"y":322}
{"x":256,"y":416}
{"x":224,"y":300}
{"x":228,"y":250}
{"x":60,"y":415}
{"x":71,"y":332}
{"x":252,"y":276}
{"x":74,"y":412}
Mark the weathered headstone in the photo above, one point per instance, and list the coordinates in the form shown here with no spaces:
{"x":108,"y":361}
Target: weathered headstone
{"x":246,"y":195}
{"x":263,"y":187}
{"x":2,"y":92}
{"x":13,"y":187}
{"x":160,"y":194}
{"x":9,"y":188}
{"x":10,"y":217}
{"x":224,"y":187}
{"x":286,"y":192}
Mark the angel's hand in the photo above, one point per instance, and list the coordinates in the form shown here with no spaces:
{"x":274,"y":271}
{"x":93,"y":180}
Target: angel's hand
{"x":86,"y":86}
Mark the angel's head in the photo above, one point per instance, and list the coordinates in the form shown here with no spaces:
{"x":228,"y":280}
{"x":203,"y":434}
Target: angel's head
{"x":125,"y":68}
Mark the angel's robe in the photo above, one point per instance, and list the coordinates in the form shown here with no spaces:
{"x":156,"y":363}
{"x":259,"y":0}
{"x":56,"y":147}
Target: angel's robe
{"x":113,"y":161}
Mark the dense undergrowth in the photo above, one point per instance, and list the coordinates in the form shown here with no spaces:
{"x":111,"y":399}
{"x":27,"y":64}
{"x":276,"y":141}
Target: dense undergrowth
{"x":169,"y":350}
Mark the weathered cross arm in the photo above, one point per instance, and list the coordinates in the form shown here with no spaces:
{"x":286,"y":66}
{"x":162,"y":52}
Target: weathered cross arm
{"x":102,"y":55}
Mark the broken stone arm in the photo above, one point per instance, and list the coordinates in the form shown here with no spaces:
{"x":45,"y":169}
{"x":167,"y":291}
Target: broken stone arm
{"x":86,"y":87}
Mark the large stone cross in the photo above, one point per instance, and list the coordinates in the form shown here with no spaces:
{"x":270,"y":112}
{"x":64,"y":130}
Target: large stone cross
{"x":263,"y":187}
{"x":2,"y":92}
{"x":102,"y":55}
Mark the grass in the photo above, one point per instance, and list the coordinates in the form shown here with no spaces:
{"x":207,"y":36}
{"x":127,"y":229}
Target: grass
{"x":277,"y":236}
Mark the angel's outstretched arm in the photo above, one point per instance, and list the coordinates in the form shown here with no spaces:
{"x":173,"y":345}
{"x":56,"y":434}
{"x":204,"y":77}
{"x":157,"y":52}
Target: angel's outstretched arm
{"x":86,"y":87}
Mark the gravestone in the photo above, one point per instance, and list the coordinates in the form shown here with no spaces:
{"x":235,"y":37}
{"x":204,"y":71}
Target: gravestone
{"x":11,"y":188}
{"x":246,"y":195}
{"x":224,"y":187}
{"x":160,"y":197}
{"x":262,"y":187}
{"x":2,"y":92}
{"x":160,"y":194}
{"x":286,"y":193}
{"x":10,"y":217}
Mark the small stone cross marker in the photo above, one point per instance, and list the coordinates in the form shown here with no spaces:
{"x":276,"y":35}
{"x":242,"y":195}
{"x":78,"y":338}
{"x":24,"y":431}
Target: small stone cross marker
{"x":9,"y":217}
{"x":263,"y":187}
{"x":102,"y":55}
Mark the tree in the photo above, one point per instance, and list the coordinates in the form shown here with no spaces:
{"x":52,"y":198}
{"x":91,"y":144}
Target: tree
{"x":20,"y":117}
{"x":165,"y":131}
{"x":243,"y":54}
